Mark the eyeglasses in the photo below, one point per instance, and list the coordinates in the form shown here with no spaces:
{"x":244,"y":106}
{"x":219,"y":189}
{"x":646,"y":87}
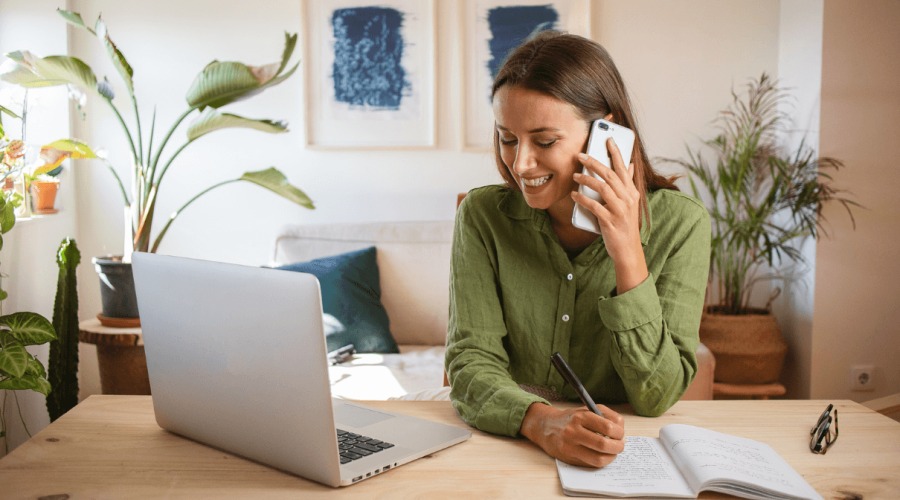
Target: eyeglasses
{"x":823,"y":434}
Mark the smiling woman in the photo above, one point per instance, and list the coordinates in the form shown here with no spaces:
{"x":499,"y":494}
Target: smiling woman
{"x":622,"y":307}
{"x":539,"y":141}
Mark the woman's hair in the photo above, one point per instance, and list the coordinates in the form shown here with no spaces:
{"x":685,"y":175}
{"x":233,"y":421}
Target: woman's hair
{"x":580,"y":72}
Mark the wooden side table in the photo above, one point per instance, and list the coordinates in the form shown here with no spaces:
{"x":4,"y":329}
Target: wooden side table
{"x":120,"y":356}
{"x":747,"y":391}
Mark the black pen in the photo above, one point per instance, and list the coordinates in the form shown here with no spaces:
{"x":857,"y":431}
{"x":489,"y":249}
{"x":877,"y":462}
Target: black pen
{"x":563,"y":368}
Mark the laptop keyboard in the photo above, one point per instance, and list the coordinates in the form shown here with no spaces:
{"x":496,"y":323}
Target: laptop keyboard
{"x":353,"y":446}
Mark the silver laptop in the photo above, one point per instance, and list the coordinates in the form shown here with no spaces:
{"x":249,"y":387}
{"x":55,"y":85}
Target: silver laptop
{"x":237,"y":360}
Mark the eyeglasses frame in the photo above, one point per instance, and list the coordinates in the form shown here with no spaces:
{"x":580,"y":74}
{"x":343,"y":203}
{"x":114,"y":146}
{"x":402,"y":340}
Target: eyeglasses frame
{"x":821,"y":432}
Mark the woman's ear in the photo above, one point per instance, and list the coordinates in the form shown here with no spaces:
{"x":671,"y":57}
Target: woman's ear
{"x":608,"y":117}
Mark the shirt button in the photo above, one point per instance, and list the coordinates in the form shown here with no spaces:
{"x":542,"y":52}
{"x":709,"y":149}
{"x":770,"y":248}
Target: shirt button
{"x":565,"y":317}
{"x":569,"y":277}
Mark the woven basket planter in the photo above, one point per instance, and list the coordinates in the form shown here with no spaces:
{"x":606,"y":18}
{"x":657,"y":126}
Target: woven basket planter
{"x":748,"y":347}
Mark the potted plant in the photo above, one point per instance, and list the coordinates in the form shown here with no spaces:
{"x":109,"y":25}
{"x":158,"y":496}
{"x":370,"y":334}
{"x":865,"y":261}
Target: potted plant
{"x":43,"y":193}
{"x":19,"y":369}
{"x":762,"y":198}
{"x":217,"y":85}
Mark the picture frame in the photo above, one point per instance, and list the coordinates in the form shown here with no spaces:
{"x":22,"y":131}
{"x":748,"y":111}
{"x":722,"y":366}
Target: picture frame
{"x":368,"y":89}
{"x":490,"y":29}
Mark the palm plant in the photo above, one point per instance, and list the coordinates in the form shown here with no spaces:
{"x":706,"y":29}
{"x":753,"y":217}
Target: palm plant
{"x":761,"y":198}
{"x":218,"y":84}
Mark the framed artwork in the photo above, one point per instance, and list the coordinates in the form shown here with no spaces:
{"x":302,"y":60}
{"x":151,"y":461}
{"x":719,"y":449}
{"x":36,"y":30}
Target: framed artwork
{"x":491,"y":30}
{"x":370,"y":73}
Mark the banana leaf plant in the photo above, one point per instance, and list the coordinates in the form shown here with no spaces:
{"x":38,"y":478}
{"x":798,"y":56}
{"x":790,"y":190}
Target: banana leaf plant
{"x":217,"y":85}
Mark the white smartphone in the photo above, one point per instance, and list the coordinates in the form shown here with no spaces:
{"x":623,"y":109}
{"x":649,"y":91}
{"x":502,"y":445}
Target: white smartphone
{"x":601,"y":130}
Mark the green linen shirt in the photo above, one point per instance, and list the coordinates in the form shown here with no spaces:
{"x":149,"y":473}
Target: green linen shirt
{"x":516,"y":298}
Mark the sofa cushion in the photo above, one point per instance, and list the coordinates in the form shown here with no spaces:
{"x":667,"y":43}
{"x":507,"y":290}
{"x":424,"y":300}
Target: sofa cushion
{"x":413,"y":263}
{"x":351,"y":295}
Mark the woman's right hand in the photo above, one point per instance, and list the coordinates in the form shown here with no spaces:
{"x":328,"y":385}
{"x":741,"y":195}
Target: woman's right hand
{"x":576,"y":436}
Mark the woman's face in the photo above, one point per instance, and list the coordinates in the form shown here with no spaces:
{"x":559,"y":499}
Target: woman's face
{"x":540,"y":138}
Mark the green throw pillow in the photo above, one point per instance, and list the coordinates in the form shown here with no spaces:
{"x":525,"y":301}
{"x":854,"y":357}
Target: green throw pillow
{"x":351,"y":295}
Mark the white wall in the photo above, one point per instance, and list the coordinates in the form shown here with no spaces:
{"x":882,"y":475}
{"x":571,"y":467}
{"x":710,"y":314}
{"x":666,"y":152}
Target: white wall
{"x":858,"y":274}
{"x":800,"y":70}
{"x":680,"y":61}
{"x":29,"y":250}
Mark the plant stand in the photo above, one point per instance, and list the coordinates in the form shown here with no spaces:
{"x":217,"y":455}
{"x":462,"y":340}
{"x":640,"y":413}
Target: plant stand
{"x":120,"y":356}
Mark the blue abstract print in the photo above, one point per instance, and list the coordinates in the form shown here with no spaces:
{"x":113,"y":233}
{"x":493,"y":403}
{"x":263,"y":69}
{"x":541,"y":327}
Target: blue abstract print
{"x":367,"y":53}
{"x":510,"y":26}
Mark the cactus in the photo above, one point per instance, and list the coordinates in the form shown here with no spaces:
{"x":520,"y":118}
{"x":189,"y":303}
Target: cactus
{"x":63,"y":363}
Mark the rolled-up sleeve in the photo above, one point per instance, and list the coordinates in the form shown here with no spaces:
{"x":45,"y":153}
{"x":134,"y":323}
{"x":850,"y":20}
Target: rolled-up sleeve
{"x":655,"y":325}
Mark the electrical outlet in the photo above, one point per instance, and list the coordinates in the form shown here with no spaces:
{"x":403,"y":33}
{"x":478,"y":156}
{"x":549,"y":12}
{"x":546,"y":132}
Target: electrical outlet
{"x":862,"y":378}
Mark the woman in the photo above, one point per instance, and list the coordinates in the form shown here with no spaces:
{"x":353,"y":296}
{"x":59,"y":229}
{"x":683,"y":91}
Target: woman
{"x":623,"y":307}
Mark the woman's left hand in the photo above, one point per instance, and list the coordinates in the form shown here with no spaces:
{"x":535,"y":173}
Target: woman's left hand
{"x":618,"y":215}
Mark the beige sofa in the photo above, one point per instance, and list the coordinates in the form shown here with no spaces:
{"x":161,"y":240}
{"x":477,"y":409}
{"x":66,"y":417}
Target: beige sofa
{"x":414,"y":267}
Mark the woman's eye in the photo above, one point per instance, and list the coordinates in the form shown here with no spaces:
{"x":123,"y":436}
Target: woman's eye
{"x":507,"y":142}
{"x":546,"y":144}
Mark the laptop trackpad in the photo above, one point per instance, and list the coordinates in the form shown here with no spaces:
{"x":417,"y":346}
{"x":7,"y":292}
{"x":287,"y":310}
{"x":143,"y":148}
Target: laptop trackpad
{"x":355,"y":416}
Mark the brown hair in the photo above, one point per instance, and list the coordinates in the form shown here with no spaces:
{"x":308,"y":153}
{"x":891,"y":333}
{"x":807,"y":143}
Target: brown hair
{"x":580,"y":72}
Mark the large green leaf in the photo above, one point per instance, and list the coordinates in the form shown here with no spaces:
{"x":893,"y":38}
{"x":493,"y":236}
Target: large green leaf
{"x":35,"y":367}
{"x":290,"y":41}
{"x":29,"y":328}
{"x":7,"y":216}
{"x":30,"y":381}
{"x":17,"y":74}
{"x":54,"y":70}
{"x":74,"y":19}
{"x":78,"y":149}
{"x":212,"y":120}
{"x":8,"y":111}
{"x":275,"y":181}
{"x":117,"y":58}
{"x":13,"y":357}
{"x":221,"y":83}
{"x":57,"y":151}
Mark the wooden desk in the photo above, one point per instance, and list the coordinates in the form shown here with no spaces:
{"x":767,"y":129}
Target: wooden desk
{"x":111,"y":447}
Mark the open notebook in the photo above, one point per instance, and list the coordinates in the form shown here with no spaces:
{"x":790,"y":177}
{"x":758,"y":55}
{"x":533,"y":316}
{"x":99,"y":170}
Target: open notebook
{"x":686,"y":460}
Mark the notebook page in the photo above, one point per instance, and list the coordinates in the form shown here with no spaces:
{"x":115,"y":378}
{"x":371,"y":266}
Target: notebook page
{"x":706,"y":458}
{"x":643,"y":469}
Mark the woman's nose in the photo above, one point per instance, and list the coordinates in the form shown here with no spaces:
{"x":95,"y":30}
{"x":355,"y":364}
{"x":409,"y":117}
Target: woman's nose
{"x":525,"y":159}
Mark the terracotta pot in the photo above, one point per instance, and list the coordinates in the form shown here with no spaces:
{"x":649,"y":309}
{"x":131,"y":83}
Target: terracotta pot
{"x":44,"y":195}
{"x":748,"y":347}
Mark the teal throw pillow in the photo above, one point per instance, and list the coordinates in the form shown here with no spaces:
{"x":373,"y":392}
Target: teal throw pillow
{"x":351,"y":300}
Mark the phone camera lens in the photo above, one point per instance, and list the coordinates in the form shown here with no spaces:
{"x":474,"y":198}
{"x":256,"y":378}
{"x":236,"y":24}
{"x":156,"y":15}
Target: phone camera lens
{"x":603,"y":126}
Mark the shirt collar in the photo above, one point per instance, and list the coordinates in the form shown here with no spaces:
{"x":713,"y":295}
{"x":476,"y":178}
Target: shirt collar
{"x":513,"y":204}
